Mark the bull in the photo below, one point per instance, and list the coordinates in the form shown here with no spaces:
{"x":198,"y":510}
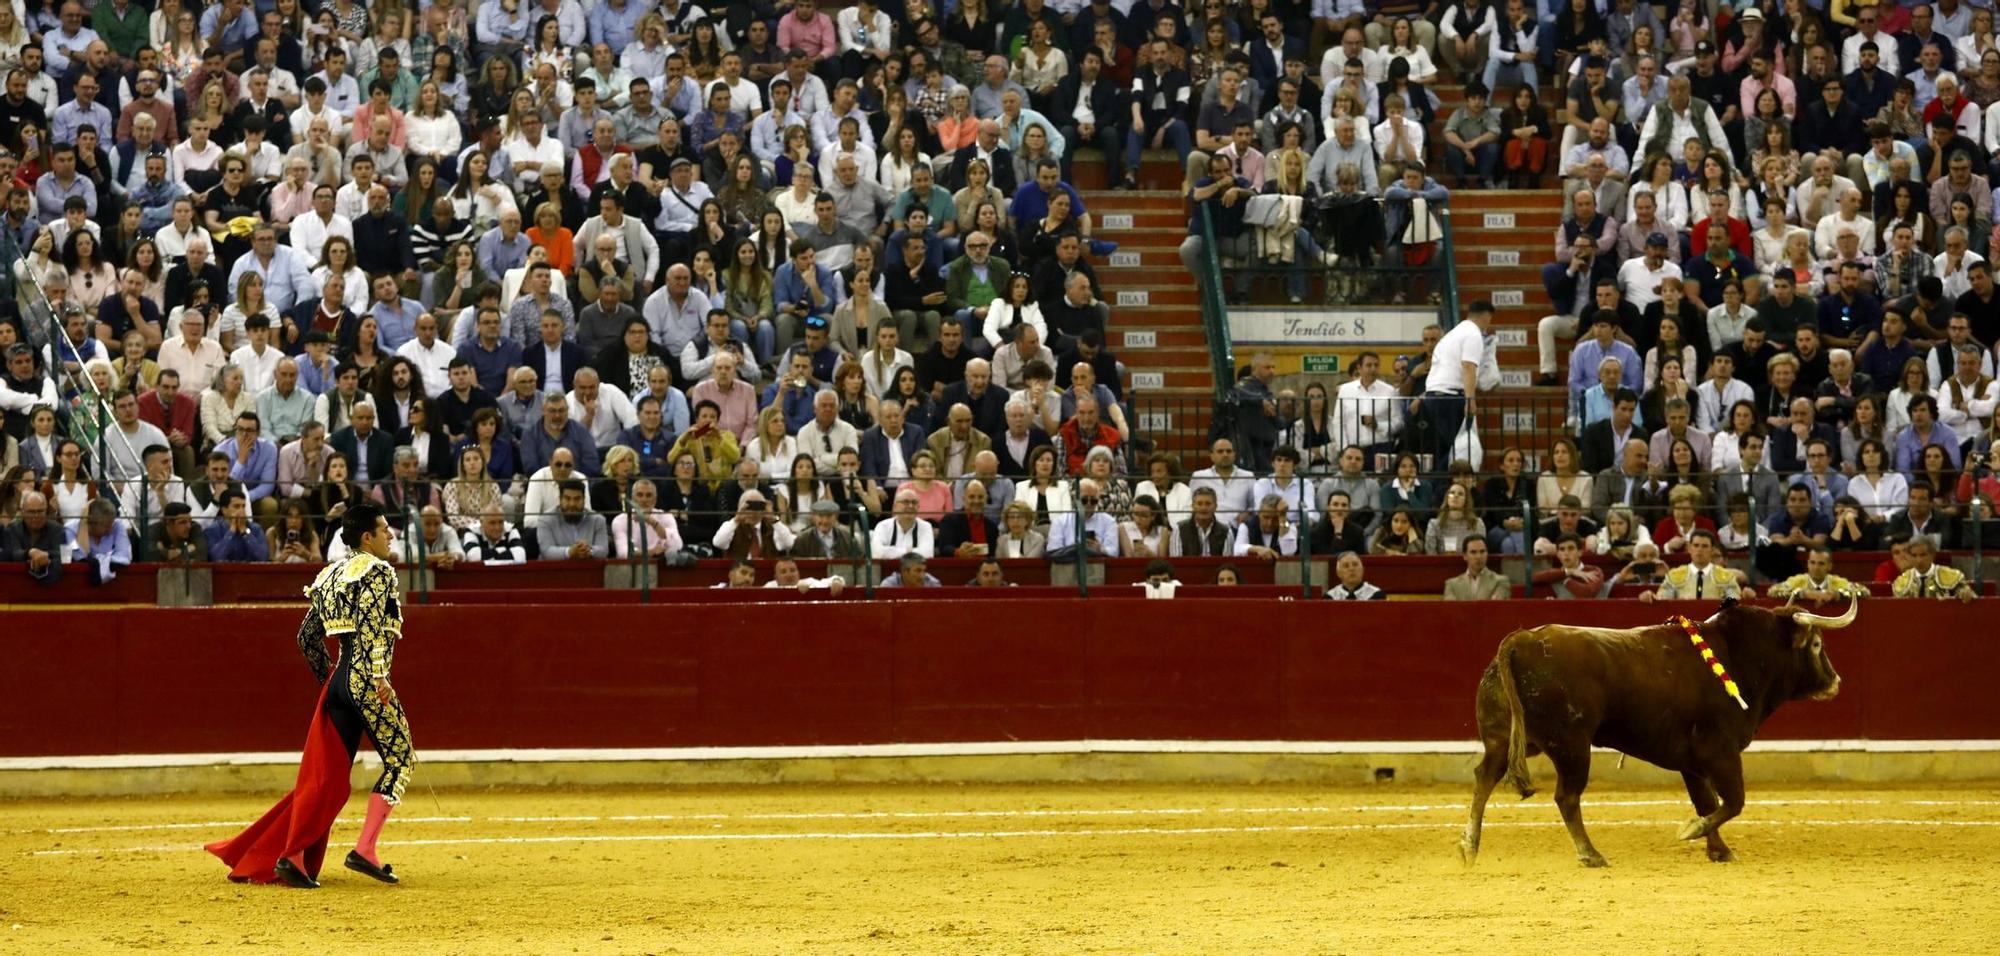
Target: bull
{"x":1645,"y":692}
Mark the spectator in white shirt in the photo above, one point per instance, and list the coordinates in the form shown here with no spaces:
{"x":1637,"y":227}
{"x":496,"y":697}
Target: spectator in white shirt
{"x":1367,"y":410}
{"x":311,"y":231}
{"x":903,"y":532}
{"x":431,"y":355}
{"x":531,"y":152}
{"x":258,"y":358}
{"x":604,"y":409}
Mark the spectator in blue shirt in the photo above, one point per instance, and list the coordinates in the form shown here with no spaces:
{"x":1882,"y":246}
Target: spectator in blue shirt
{"x":793,"y":391}
{"x":615,"y":23}
{"x":102,"y":539}
{"x":62,"y":182}
{"x":504,"y":246}
{"x":395,"y":316}
{"x":253,"y":461}
{"x":491,"y":353}
{"x":1603,"y":344}
{"x":287,"y":276}
{"x":235,"y":538}
{"x":802,"y":288}
{"x":237,"y":29}
{"x":556,"y":430}
{"x":80,"y":112}
{"x":651,"y":438}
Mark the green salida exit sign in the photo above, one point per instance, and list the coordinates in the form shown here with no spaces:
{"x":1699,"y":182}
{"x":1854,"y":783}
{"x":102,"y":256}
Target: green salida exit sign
{"x":1328,"y":364}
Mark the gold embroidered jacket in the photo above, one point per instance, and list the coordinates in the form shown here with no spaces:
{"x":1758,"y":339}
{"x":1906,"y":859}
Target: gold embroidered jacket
{"x":353,"y":599}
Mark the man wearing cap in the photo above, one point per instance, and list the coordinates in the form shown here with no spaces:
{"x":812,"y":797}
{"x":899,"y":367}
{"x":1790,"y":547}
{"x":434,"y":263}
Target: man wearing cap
{"x":1639,"y":279}
{"x":680,"y":211}
{"x":826,"y":538}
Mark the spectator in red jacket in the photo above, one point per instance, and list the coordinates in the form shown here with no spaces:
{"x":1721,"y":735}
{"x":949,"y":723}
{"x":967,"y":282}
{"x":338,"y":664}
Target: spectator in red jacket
{"x":166,"y":409}
{"x":1083,"y":432}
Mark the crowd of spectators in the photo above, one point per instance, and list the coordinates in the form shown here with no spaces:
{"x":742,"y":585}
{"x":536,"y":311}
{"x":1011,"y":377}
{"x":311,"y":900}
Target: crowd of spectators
{"x":508,"y":267}
{"x":1773,"y":257}
{"x":781,"y":269}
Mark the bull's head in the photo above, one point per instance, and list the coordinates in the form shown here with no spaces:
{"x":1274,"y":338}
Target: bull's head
{"x":1818,"y":679}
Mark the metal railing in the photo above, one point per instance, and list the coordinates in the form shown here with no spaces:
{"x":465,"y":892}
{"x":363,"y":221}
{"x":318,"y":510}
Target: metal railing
{"x":1385,"y":280}
{"x":1183,"y":426}
{"x":414,"y":550}
{"x":1215,"y":310}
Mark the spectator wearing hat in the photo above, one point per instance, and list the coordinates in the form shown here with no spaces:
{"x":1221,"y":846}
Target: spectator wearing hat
{"x":825,"y":537}
{"x":680,"y":212}
{"x":1639,"y":278}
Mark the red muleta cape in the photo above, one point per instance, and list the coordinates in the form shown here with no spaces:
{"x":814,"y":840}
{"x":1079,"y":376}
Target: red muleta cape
{"x":302,"y":819}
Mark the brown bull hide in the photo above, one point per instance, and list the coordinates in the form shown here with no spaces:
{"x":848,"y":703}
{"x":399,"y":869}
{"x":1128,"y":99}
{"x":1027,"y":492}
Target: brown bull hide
{"x":1646,"y":692}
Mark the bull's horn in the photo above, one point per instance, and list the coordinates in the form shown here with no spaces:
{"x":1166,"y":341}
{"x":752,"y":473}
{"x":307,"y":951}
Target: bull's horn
{"x":1829,"y":623}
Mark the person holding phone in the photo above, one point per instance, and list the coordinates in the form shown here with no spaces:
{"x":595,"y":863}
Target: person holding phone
{"x":1644,"y":570}
{"x":755,"y":533}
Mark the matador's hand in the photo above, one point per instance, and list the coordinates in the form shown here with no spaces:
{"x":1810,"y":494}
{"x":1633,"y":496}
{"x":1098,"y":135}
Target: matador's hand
{"x":383,"y":692}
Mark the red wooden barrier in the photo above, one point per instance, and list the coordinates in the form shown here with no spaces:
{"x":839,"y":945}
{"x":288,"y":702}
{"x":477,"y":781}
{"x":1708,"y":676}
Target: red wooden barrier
{"x":787,"y":673}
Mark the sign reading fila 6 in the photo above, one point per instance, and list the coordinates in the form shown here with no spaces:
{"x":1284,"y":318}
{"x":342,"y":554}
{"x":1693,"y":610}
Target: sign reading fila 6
{"x":1329,"y":327}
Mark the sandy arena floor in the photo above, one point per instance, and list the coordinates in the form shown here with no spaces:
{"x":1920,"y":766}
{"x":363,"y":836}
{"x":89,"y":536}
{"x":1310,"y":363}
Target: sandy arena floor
{"x":1054,"y":869}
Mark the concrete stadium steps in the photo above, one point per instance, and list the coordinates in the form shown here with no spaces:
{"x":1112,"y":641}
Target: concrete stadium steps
{"x":1501,"y":261}
{"x":1155,"y":306}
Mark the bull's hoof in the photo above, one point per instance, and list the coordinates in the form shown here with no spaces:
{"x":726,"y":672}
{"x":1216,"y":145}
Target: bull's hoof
{"x":1721,"y":854}
{"x":1593,"y":860}
{"x":1468,"y":852}
{"x":1694,"y":830}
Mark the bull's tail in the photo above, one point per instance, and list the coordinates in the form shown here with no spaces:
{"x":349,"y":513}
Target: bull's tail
{"x":1517,"y":727}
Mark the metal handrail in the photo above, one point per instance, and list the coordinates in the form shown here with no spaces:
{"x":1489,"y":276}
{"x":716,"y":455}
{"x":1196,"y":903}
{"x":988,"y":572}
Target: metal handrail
{"x":1215,"y":311}
{"x":100,"y":403}
{"x":1076,"y":510}
{"x":1304,"y":535}
{"x":1528,"y":549}
{"x":1448,"y":305}
{"x":865,"y":535}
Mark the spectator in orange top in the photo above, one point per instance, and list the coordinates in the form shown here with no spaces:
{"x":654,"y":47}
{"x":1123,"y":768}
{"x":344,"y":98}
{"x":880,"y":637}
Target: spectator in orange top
{"x":548,"y":232}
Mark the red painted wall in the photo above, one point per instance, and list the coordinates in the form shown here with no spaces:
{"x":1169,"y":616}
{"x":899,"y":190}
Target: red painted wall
{"x":182,"y":681}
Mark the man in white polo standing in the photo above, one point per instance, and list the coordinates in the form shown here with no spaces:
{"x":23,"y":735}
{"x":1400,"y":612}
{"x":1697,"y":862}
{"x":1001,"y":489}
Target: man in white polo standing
{"x":1451,"y":390}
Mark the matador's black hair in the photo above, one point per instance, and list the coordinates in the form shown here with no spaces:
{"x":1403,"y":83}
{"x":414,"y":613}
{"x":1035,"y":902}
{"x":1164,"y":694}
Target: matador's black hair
{"x":359,"y":520}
